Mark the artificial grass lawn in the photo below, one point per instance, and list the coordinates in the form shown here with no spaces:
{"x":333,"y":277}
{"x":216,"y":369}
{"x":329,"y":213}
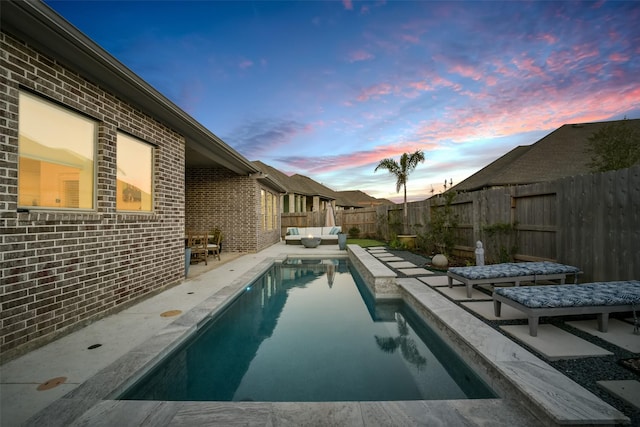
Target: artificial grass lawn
{"x":365,"y":243}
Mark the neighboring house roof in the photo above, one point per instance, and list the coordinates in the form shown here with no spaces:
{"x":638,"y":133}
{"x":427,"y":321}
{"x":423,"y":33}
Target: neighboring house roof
{"x":274,"y":173}
{"x":561,"y":153}
{"x":485,"y":176}
{"x":301,"y":184}
{"x":297,"y":184}
{"x":358,"y":199}
{"x":44,"y":29}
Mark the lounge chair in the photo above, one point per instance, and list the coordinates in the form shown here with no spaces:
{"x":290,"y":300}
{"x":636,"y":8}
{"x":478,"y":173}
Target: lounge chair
{"x":599,"y":298}
{"x":213,"y":244}
{"x":512,"y":272}
{"x":198,"y":245}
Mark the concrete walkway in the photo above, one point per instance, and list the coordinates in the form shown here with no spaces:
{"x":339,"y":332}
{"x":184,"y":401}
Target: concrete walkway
{"x":91,"y":360}
{"x":30,"y":383}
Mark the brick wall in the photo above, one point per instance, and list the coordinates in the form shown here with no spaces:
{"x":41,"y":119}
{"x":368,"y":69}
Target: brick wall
{"x":60,"y":270}
{"x":217,"y":197}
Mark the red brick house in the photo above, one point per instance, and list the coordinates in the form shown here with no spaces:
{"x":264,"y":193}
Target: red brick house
{"x":100,"y":177}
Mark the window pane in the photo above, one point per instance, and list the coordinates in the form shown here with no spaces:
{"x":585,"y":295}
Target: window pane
{"x":263,"y":209}
{"x":272,"y":223}
{"x":135,"y":174}
{"x":56,"y":155}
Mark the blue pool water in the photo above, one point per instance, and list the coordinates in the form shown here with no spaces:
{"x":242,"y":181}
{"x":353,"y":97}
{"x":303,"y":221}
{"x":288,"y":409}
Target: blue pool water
{"x":308,"y":330}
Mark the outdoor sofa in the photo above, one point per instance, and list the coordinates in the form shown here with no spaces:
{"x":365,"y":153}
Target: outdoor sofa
{"x":511,"y":272}
{"x":328,"y":235}
{"x":599,"y":298}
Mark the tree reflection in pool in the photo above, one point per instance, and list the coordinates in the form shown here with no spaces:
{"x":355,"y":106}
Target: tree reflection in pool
{"x":299,"y":334}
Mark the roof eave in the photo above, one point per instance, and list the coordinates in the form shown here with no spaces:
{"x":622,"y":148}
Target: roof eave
{"x":41,"y":27}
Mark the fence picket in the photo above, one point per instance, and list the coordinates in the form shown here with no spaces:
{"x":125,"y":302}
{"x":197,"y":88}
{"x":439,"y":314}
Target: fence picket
{"x":591,"y":221}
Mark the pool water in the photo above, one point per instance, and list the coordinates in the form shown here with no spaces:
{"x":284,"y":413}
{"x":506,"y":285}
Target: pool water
{"x":309,"y":331}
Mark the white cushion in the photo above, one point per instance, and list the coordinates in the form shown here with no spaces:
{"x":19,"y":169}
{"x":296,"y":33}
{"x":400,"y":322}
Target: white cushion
{"x":327,"y":230}
{"x":323,"y":232}
{"x":313,"y":231}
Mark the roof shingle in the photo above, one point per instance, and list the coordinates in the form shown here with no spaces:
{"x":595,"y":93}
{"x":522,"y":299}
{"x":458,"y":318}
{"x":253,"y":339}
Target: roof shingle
{"x":560,"y":154}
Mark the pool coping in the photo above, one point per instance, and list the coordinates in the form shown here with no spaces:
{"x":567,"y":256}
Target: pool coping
{"x":93,"y":401}
{"x":506,"y":366}
{"x":379,"y":278}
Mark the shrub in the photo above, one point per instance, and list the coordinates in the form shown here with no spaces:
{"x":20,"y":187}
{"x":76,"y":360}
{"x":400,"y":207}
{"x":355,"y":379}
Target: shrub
{"x":443,"y":225}
{"x":501,"y":242}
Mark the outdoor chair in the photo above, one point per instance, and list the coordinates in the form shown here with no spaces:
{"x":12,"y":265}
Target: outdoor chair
{"x":600,"y":298}
{"x":514,"y":272}
{"x":213,"y":245}
{"x":198,"y":244}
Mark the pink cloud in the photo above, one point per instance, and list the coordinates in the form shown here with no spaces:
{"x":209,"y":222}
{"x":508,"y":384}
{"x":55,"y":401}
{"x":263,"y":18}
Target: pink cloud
{"x":618,"y":57}
{"x":528,"y":65}
{"x":325,"y":164}
{"x":503,"y":70}
{"x":529,"y":110}
{"x":411,"y":89}
{"x":595,"y":68}
{"x":348,"y":4}
{"x":433,"y":81}
{"x":360,"y":55}
{"x":375,"y":92}
{"x":491,"y":80}
{"x":546,"y":108}
{"x":410,"y":38}
{"x":421,"y":86}
{"x":566,"y":60}
{"x":585,"y":51}
{"x":466,"y":71}
{"x":549,"y":38}
{"x":563,"y":61}
{"x":614,"y":36}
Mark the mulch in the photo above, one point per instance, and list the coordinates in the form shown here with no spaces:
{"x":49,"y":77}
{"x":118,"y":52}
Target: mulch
{"x":621,"y":365}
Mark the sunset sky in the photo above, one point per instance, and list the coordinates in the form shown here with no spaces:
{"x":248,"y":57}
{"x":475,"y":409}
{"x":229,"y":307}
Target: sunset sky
{"x":327,"y":89}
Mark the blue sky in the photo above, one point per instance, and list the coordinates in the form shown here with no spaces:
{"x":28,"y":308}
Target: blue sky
{"x":327,"y":89}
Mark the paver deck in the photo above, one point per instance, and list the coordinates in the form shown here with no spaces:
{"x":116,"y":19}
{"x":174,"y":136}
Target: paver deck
{"x":125,"y":347}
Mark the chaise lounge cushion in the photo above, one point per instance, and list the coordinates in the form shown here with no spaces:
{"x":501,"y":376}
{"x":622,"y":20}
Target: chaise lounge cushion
{"x":589,"y":294}
{"x":547,"y":268}
{"x":513,"y":269}
{"x":328,"y":235}
{"x":490,"y":271}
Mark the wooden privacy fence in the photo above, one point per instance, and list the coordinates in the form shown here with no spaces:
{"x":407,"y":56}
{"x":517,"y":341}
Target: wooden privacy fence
{"x":590,"y":221}
{"x":363,"y":219}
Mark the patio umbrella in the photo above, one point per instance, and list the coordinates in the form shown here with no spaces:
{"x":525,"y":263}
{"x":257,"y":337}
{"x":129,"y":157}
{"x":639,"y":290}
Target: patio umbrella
{"x":331,"y":273}
{"x":330,"y":220}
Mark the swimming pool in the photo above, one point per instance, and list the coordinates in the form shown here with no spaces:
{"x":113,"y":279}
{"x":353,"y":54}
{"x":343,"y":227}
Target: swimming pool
{"x":308,"y":330}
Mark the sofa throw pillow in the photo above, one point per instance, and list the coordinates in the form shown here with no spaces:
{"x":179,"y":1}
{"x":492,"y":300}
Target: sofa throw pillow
{"x":334,"y":230}
{"x":294,"y":232}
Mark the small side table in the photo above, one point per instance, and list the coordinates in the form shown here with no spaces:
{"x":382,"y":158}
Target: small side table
{"x":310,"y":242}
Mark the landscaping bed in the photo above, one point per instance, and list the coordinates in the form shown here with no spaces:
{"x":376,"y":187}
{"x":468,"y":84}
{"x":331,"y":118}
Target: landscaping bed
{"x":622,"y":365}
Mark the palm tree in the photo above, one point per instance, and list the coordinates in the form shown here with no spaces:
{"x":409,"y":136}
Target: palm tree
{"x":404,"y":342}
{"x":402,"y":170}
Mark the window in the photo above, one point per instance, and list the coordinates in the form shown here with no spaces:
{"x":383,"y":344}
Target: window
{"x":268,"y":209}
{"x":271,"y":211}
{"x":135,"y":174}
{"x":56,"y":152}
{"x":263,"y":209}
